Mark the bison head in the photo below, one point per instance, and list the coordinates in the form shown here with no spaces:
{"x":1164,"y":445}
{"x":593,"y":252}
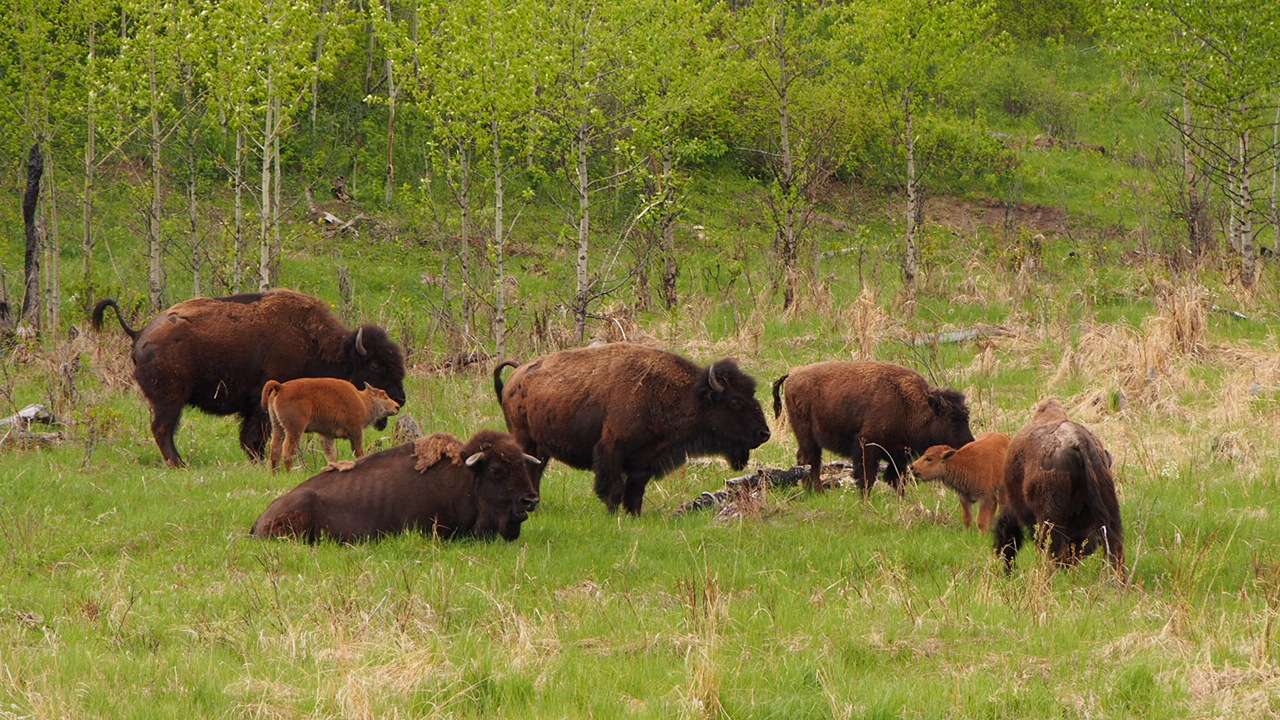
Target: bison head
{"x":373,"y":359}
{"x":949,"y":422}
{"x":731,"y":420}
{"x":504,"y":489}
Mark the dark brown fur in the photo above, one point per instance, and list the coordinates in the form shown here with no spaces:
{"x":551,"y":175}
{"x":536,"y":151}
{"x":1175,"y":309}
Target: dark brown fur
{"x":217,"y":353}
{"x":1058,"y":481}
{"x":330,"y":407}
{"x":975,"y":472}
{"x":867,"y":411}
{"x":630,"y":414}
{"x":386,"y":493}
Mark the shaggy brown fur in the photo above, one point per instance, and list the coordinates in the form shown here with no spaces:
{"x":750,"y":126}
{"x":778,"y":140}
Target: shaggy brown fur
{"x":330,"y":407}
{"x":867,"y":411}
{"x":1058,"y":480}
{"x":488,"y":492}
{"x":217,"y":353}
{"x":630,"y":414}
{"x":975,"y":472}
{"x":435,"y":447}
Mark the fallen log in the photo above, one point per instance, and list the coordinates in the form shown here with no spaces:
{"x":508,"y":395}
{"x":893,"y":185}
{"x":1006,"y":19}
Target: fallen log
{"x":955,"y":336}
{"x":33,"y":413}
{"x":765,"y":477}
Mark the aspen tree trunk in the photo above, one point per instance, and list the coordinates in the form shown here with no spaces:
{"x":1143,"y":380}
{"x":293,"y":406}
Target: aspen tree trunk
{"x":582,"y":297}
{"x":264,"y":260}
{"x":277,"y":244}
{"x":788,"y":239}
{"x":464,"y":221}
{"x":499,"y":249}
{"x":52,"y":250}
{"x":915,"y":208}
{"x":155,"y":251}
{"x":392,"y":91}
{"x":1243,"y":208}
{"x":237,"y":272}
{"x":90,"y":164}
{"x":31,"y":300}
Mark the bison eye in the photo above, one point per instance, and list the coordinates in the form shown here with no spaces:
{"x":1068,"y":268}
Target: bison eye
{"x":735,"y":404}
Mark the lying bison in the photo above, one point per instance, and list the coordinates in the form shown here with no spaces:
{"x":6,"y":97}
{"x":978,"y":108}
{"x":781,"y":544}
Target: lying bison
{"x":866,"y":411}
{"x":630,"y":414}
{"x":437,"y":485}
{"x":1058,"y":481}
{"x":329,"y":407}
{"x":975,"y":472}
{"x":217,"y":353}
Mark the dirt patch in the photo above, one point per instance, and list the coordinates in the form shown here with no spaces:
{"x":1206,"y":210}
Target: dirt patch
{"x":967,"y":217}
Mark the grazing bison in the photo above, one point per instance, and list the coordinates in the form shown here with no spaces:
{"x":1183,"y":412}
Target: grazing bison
{"x":330,"y":407}
{"x":630,"y":414}
{"x":436,"y":484}
{"x":1058,"y":481}
{"x":865,"y":411}
{"x":975,"y":472}
{"x":217,"y":353}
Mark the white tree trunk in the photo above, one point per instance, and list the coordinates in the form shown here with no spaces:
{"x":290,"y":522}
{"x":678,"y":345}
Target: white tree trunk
{"x":582,"y":275}
{"x":911,"y":267}
{"x":264,"y":221}
{"x":499,"y":249}
{"x":155,"y":267}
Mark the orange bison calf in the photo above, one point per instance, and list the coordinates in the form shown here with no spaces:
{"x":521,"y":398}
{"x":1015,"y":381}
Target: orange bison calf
{"x":437,"y":484}
{"x":1058,"y":480}
{"x":330,"y":407}
{"x":975,"y":472}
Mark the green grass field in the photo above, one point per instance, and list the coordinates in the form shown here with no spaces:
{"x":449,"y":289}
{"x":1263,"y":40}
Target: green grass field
{"x":133,"y":590}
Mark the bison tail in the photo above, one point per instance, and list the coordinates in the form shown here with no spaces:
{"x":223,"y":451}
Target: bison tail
{"x":101,"y":308}
{"x":777,"y":395}
{"x":497,"y":377}
{"x":269,"y":391}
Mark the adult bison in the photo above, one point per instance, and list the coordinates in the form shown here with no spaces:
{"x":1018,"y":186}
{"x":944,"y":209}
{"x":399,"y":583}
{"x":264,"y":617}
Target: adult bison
{"x":630,"y":414}
{"x":1058,"y":480}
{"x":437,"y":484}
{"x":217,"y":353}
{"x":866,"y":411}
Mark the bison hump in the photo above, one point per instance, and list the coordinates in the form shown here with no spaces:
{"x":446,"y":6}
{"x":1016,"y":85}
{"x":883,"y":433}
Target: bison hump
{"x":433,"y":448}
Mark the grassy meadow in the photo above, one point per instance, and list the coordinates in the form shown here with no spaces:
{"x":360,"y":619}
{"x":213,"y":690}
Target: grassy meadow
{"x":131,"y":590}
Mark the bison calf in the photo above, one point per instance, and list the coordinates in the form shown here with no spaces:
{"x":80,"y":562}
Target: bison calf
{"x":1058,"y":480}
{"x":867,"y":411}
{"x":975,"y":472}
{"x":329,"y":407}
{"x":630,"y":414}
{"x":437,"y":484}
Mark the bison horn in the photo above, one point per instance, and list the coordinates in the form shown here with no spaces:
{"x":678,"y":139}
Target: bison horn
{"x":532,"y":460}
{"x":471,"y":461}
{"x":715,"y":383}
{"x":360,"y":348}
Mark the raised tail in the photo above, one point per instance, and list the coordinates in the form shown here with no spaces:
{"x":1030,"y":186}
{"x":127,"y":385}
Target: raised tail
{"x":101,"y":308}
{"x":497,"y":377}
{"x":269,"y":391}
{"x":777,"y":395}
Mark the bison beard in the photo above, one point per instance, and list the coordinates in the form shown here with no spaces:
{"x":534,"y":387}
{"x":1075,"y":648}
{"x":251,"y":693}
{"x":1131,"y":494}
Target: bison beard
{"x":217,"y":353}
{"x":1058,"y":481}
{"x":438,"y":485}
{"x":630,"y":414}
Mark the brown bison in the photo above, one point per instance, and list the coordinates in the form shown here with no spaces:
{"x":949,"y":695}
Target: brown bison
{"x":437,"y":485}
{"x":975,"y":472}
{"x":1058,"y":481}
{"x":867,"y":411}
{"x":630,"y":414}
{"x":217,"y":353}
{"x":330,"y":407}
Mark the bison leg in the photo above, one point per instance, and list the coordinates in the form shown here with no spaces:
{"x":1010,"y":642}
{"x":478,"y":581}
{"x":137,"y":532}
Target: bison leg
{"x":870,"y":467}
{"x":986,"y":511}
{"x":357,"y":444}
{"x":896,"y":466}
{"x":164,"y":423}
{"x":277,"y":443}
{"x":967,"y":514}
{"x":255,"y":429}
{"x":330,"y":447}
{"x":810,"y":453}
{"x":610,"y":489}
{"x":633,"y":493}
{"x":1009,"y":536}
{"x":291,"y":442}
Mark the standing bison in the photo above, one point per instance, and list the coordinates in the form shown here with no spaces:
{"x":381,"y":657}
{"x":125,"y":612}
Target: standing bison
{"x":866,"y":411}
{"x":217,"y":353}
{"x":437,"y":484}
{"x":1058,"y":481}
{"x":630,"y":414}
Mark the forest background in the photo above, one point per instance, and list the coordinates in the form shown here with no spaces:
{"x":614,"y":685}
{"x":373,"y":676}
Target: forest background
{"x":1076,"y":198}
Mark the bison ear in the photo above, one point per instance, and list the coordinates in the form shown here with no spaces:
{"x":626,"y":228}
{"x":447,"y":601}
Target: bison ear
{"x":948,"y":454}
